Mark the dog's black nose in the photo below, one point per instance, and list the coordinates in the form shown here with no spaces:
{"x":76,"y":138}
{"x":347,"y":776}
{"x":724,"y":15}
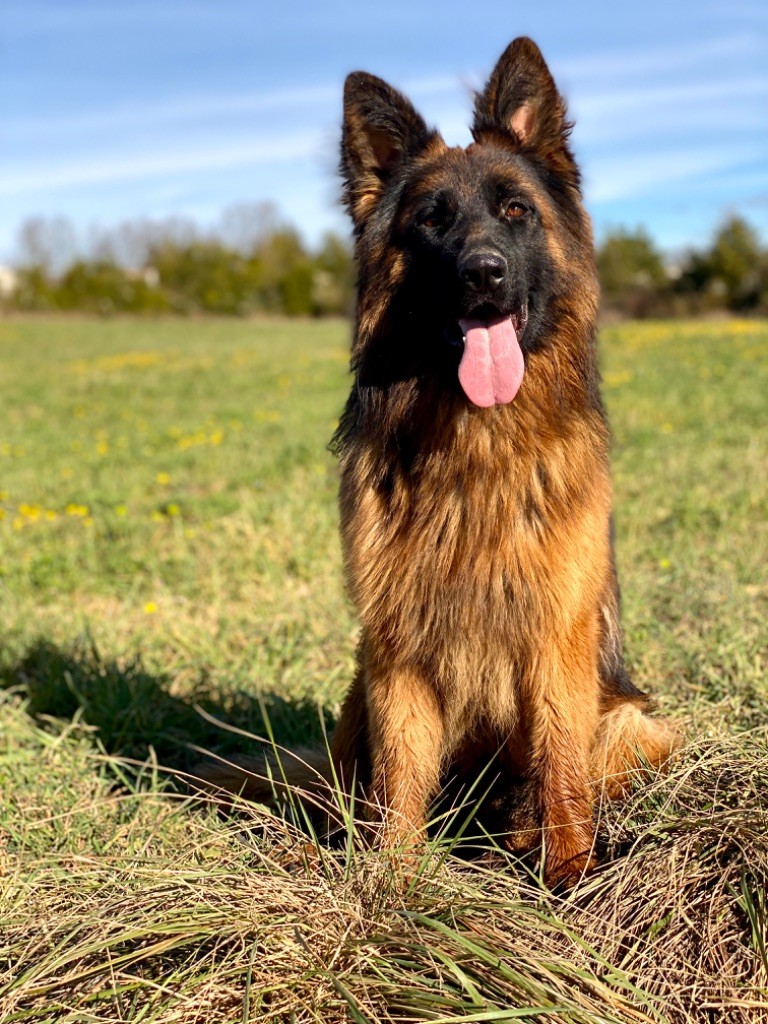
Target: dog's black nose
{"x":483,"y":271}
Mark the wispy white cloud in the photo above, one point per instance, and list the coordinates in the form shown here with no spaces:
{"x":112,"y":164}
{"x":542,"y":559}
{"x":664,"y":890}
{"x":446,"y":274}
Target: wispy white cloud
{"x":177,"y":111}
{"x":81,"y":173}
{"x":635,"y":175}
{"x":174,"y":111}
{"x":600,"y":104}
{"x":675,"y":58}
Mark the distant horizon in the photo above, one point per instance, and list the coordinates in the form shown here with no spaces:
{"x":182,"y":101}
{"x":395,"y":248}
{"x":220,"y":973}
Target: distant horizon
{"x":86,"y":249}
{"x":149,"y":111}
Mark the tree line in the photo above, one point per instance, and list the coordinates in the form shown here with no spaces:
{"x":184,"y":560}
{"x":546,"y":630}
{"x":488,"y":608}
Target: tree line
{"x":731,"y":273}
{"x":253,"y":262}
{"x":249,"y":262}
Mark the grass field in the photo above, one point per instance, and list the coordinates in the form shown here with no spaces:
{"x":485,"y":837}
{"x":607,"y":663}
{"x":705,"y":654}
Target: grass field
{"x":168,"y":542}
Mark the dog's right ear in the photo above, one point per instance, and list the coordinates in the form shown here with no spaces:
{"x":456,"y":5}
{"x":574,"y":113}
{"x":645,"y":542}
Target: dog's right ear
{"x":381,"y":132}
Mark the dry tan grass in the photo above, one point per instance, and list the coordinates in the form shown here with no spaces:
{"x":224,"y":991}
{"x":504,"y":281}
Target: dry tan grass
{"x":248,"y":918}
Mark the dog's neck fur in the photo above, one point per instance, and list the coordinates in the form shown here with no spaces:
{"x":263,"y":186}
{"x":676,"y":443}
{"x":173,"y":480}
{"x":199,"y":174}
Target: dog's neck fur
{"x":407,"y":414}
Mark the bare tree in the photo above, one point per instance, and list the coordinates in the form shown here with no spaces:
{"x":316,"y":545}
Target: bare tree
{"x":245,"y":227}
{"x":47,"y":242}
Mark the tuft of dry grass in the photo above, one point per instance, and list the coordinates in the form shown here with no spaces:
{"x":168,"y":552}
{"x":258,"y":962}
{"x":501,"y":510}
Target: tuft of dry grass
{"x":167,"y":912}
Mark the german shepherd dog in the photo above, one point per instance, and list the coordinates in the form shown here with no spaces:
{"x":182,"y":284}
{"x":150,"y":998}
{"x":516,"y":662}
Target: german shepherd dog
{"x":475,"y":494}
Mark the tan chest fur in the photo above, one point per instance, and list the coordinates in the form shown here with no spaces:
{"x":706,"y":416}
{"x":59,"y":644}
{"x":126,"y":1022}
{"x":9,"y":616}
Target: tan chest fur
{"x":460,"y":561}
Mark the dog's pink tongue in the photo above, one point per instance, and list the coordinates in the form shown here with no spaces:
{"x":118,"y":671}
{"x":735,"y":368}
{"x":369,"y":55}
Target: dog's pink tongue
{"x":492,"y":367}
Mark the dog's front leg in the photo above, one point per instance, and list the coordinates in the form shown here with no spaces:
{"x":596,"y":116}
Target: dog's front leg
{"x":562,"y":708}
{"x":406,"y":738}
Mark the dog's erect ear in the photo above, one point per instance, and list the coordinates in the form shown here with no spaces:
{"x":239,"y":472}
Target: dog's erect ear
{"x":381,"y":131}
{"x":521,"y":98}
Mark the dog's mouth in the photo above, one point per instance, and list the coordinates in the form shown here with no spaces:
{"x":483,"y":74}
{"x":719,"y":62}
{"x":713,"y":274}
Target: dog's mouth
{"x":492,"y":365}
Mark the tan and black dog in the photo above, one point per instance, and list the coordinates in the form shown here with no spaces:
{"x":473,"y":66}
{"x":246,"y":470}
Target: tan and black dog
{"x":475,"y":490}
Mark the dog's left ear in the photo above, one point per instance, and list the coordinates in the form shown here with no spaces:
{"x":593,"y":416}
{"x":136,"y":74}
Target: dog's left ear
{"x":521,"y":98}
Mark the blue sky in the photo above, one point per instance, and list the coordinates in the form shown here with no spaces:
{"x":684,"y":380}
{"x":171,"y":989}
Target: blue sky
{"x":115,"y":110}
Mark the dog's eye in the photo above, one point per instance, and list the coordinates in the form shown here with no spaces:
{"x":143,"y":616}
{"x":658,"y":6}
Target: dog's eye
{"x":514,"y":211}
{"x":430,"y":220}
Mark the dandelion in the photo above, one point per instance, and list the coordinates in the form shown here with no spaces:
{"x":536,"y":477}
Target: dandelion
{"x":120,"y":510}
{"x":192,"y":440}
{"x":102,"y":448}
{"x":150,"y":607}
{"x":163,"y":478}
{"x":172,"y":510}
{"x":667,"y":428}
{"x":616,"y":379}
{"x":664,"y":563}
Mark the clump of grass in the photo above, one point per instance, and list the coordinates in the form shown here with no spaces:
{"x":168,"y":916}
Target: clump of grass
{"x":167,"y":912}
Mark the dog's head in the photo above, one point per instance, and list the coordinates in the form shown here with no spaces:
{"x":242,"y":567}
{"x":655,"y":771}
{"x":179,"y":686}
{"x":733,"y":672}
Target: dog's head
{"x":473,"y":249}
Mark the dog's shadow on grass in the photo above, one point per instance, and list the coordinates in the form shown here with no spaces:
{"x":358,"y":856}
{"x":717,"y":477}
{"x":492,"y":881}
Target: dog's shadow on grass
{"x":135,"y":714}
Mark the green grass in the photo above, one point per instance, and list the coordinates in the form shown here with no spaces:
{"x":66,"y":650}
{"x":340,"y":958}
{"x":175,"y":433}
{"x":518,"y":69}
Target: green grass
{"x":168,"y":541}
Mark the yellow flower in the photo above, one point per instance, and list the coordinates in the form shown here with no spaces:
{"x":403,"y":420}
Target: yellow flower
{"x":150,"y":607}
{"x":616,"y":379}
{"x":172,"y":510}
{"x":120,"y":510}
{"x":664,"y":563}
{"x":163,"y":478}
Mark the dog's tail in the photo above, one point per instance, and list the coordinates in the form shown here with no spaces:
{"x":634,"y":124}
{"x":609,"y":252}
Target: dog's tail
{"x":630,"y":742}
{"x":319,"y":774}
{"x":264,"y":779}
